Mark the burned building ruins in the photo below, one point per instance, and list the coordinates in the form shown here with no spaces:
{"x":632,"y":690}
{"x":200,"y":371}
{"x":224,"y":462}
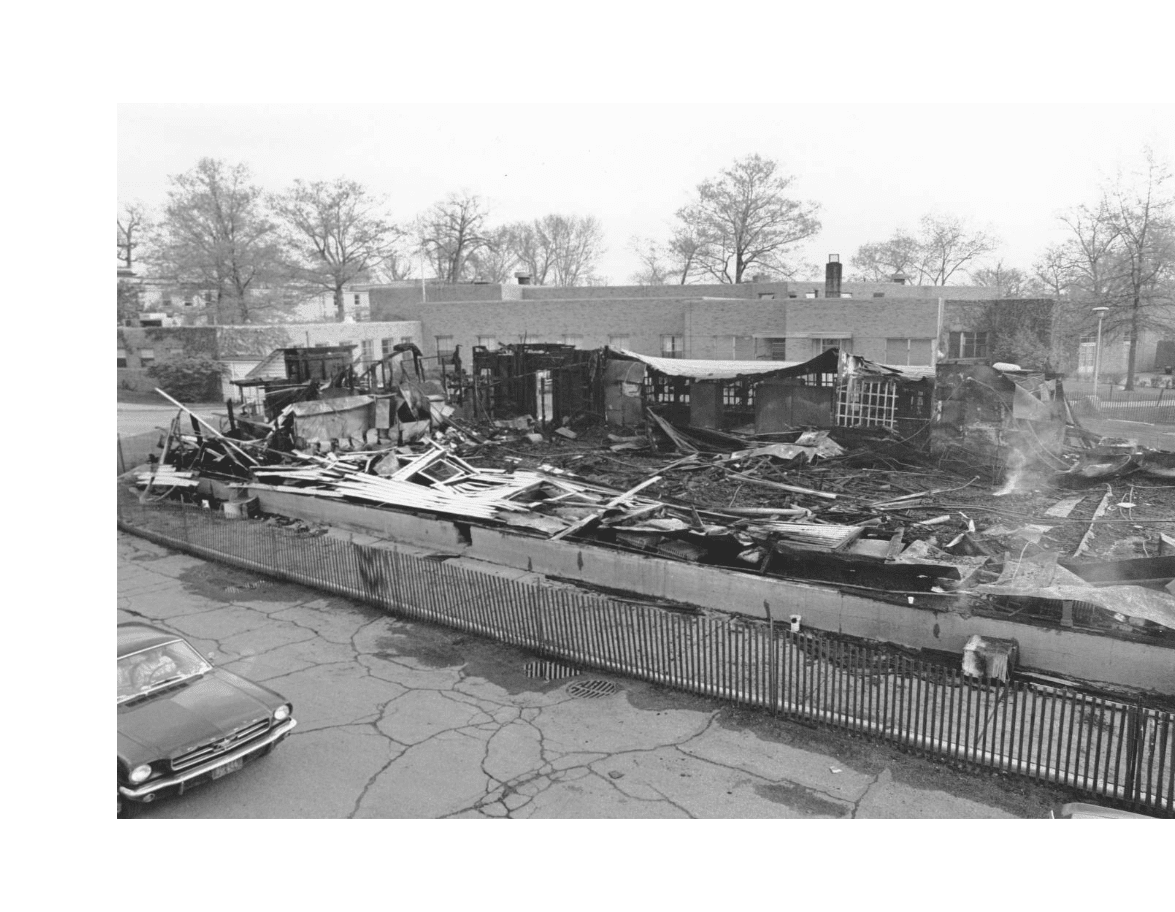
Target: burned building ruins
{"x":870,"y":500}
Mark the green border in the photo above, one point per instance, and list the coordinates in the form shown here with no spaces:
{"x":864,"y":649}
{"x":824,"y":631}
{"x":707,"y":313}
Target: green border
{"x":519,"y":52}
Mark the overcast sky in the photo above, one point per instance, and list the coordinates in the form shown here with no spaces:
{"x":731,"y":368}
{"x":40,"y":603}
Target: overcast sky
{"x":872,"y":168}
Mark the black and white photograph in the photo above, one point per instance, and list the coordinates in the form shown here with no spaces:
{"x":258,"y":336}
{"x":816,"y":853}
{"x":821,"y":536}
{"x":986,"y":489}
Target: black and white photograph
{"x":644,"y":461}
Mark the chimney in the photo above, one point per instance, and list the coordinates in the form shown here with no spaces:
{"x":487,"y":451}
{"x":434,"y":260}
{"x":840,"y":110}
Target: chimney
{"x":900,"y":277}
{"x":523,"y":278}
{"x":832,"y":276}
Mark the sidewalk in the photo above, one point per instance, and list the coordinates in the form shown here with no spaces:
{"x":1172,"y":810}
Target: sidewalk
{"x":1156,"y":436}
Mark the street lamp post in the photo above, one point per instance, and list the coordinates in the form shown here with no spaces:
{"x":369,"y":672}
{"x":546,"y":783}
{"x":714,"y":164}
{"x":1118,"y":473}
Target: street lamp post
{"x":1097,"y":356}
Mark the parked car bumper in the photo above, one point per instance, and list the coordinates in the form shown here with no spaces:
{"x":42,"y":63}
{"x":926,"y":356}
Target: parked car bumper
{"x":177,"y":784}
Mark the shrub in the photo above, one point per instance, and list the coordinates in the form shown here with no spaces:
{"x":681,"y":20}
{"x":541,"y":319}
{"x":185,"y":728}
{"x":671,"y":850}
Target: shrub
{"x":188,"y":379}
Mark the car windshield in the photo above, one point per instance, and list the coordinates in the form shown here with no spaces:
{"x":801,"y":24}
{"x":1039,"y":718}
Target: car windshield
{"x":144,"y":671}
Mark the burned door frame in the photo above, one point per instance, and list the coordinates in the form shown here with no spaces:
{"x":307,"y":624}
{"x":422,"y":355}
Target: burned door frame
{"x":506,"y":381}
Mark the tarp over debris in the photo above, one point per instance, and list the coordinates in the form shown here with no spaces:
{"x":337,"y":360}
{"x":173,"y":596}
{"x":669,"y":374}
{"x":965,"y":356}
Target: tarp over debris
{"x":722,"y":370}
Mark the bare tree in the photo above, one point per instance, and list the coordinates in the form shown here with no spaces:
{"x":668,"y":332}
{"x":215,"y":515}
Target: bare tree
{"x":216,"y":234}
{"x":533,"y":252}
{"x":1050,"y":271}
{"x":943,"y":246}
{"x":395,"y":267}
{"x":1138,"y":209}
{"x":949,"y":245}
{"x":132,"y":224}
{"x":336,"y":233}
{"x":498,"y":259}
{"x":654,"y":267}
{"x":881,"y":261}
{"x":744,"y":218}
{"x":451,"y":232}
{"x":1121,"y":255}
{"x":1008,"y":281}
{"x":576,"y":244}
{"x":558,"y":249}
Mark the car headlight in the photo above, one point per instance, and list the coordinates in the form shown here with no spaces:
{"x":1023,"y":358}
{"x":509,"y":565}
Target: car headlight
{"x":141,"y":773}
{"x":281,"y":713}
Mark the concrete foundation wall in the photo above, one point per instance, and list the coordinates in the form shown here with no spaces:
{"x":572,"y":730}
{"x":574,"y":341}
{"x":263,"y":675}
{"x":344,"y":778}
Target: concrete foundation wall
{"x":1085,"y":656}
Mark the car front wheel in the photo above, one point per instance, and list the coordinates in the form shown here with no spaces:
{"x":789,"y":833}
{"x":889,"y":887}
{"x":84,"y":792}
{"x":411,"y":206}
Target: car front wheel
{"x":125,"y":808}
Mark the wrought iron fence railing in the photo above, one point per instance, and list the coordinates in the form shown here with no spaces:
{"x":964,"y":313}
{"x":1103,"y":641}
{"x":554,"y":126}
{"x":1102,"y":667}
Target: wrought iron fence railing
{"x":1093,"y":744}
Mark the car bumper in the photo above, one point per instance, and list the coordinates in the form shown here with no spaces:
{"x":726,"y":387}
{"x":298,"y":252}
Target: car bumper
{"x":177,"y":784}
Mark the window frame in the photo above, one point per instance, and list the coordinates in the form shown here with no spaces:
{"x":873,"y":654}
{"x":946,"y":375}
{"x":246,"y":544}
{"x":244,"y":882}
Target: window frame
{"x":676,"y":349}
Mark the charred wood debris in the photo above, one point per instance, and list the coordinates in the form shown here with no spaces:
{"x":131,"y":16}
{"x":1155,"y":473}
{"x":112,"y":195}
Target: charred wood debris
{"x":1088,"y":544}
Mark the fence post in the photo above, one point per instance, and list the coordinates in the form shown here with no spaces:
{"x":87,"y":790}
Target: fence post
{"x":184,"y":520}
{"x":772,"y":655}
{"x":1133,"y":745}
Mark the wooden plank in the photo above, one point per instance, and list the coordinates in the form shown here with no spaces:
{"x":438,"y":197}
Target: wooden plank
{"x":615,"y":501}
{"x":782,"y":487}
{"x":1083,"y":545}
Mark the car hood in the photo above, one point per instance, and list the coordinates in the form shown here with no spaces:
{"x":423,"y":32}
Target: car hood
{"x":190,"y":713}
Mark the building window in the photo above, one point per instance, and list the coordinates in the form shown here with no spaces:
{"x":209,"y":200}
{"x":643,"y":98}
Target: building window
{"x":208,"y":297}
{"x":490,"y":343}
{"x":356,"y":300}
{"x":121,"y":358}
{"x":385,"y":346}
{"x":867,"y":402}
{"x":967,"y":345}
{"x":146,"y":356}
{"x":619,"y":342}
{"x":906,"y":352}
{"x":367,"y":350}
{"x":573,"y":339}
{"x":771,"y":349}
{"x":820,"y":346}
{"x":1086,"y":354}
{"x":766,"y":296}
{"x":672,"y":346}
{"x":445,"y":347}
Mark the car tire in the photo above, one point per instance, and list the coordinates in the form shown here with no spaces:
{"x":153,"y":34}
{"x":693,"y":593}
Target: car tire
{"x":125,"y":808}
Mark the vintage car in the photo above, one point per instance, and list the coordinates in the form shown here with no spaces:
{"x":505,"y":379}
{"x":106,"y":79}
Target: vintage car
{"x":182,"y":722}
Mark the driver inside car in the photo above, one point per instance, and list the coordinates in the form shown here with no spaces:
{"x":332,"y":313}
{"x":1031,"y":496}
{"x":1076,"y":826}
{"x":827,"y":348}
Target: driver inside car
{"x":155,"y":668}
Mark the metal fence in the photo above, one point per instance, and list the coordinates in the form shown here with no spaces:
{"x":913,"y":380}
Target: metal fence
{"x":1105,"y":747}
{"x":1156,"y":406}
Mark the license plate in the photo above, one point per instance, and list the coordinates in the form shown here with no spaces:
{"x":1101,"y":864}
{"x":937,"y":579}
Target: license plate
{"x":231,"y":767}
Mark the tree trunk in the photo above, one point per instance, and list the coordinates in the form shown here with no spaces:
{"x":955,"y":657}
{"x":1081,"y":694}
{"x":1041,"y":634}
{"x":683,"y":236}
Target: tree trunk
{"x":1134,"y":311}
{"x":339,"y":303}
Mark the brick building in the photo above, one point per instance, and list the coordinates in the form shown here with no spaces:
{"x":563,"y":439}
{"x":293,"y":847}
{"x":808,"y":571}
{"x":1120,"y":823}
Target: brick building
{"x":891,"y":323}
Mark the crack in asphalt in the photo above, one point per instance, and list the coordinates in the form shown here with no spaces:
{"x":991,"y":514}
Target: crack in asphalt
{"x":519,"y":761}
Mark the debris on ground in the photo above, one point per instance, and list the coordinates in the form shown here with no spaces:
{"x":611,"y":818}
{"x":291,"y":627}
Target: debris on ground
{"x":858,"y":508}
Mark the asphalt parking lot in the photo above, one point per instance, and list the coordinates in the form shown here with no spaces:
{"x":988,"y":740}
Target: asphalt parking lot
{"x":400,"y":719}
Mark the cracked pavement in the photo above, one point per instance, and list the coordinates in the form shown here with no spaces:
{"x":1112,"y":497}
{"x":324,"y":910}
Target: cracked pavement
{"x":403,"y":719}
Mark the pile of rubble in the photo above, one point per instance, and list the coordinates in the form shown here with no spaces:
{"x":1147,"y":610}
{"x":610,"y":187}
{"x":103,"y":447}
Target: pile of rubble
{"x":854,"y":509}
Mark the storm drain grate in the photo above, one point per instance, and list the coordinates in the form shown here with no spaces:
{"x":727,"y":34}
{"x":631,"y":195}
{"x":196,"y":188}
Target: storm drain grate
{"x":547,"y":670}
{"x":245,"y":587}
{"x":592,"y":688}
